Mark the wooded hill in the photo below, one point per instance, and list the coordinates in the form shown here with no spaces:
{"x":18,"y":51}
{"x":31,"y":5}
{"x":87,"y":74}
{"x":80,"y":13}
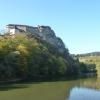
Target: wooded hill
{"x":29,"y":58}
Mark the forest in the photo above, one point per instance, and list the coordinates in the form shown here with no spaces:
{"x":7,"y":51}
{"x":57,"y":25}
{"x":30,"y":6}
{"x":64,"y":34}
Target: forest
{"x":28,"y":58}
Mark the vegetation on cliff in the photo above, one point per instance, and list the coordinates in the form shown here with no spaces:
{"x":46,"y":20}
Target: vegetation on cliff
{"x":22,"y":57}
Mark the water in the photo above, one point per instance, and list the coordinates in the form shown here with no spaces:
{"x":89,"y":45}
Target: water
{"x":84,"y":94}
{"x":87,"y":89}
{"x":80,"y":89}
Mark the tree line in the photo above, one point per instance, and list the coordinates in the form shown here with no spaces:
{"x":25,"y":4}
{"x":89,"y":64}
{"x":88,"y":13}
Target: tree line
{"x":27,"y":58}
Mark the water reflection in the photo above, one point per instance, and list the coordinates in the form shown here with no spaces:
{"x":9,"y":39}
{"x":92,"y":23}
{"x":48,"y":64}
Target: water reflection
{"x":84,"y":94}
{"x":93,"y":83}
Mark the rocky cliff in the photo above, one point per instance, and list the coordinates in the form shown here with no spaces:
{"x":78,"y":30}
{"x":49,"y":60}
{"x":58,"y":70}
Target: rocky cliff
{"x":48,"y":35}
{"x":43,"y":32}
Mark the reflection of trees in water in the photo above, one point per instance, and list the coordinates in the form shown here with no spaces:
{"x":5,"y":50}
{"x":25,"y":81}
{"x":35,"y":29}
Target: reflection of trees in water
{"x":70,"y":85}
{"x":83,"y":84}
{"x":93,"y":83}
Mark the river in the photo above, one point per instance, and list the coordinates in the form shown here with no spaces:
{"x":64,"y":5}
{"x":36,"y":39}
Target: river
{"x":79,"y":89}
{"x":84,"y":89}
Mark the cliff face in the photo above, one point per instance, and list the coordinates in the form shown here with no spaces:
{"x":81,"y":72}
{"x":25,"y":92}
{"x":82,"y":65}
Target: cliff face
{"x":43,"y":32}
{"x":39,"y":51}
{"x":48,"y":35}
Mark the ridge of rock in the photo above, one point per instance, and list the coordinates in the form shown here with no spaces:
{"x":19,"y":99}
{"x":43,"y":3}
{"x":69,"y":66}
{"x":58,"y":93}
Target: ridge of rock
{"x":44,"y":32}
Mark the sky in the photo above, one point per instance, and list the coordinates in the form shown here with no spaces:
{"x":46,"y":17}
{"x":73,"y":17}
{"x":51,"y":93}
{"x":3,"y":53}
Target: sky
{"x":76,"y":22}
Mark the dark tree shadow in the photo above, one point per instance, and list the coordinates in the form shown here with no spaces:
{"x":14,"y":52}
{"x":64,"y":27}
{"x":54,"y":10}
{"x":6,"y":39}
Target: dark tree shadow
{"x":10,"y":85}
{"x":6,"y":87}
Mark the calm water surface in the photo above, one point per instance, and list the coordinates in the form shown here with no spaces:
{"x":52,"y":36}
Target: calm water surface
{"x":80,"y":89}
{"x":86,"y":89}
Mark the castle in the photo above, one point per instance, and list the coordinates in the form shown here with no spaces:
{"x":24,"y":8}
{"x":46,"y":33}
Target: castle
{"x":44,"y":32}
{"x":15,"y":28}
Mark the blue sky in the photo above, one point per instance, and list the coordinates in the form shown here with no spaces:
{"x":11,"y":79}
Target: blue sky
{"x":77,"y":22}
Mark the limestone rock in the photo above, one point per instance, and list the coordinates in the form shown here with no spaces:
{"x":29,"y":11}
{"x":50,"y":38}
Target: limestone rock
{"x":43,"y":32}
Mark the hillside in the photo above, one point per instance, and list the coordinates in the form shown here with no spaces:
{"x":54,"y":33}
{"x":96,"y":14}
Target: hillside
{"x":94,"y":59}
{"x":29,"y":58}
{"x":37,"y":55}
{"x":91,"y":58}
{"x":89,"y":54}
{"x":44,"y":33}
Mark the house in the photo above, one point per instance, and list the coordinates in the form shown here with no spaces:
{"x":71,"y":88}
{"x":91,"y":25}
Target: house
{"x":15,"y":29}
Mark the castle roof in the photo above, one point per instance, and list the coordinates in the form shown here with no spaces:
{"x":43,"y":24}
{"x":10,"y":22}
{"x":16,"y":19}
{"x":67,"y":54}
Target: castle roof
{"x":18,"y":25}
{"x":26,"y":26}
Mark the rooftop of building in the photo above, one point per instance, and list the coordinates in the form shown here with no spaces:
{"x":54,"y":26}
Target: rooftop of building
{"x":27,"y":25}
